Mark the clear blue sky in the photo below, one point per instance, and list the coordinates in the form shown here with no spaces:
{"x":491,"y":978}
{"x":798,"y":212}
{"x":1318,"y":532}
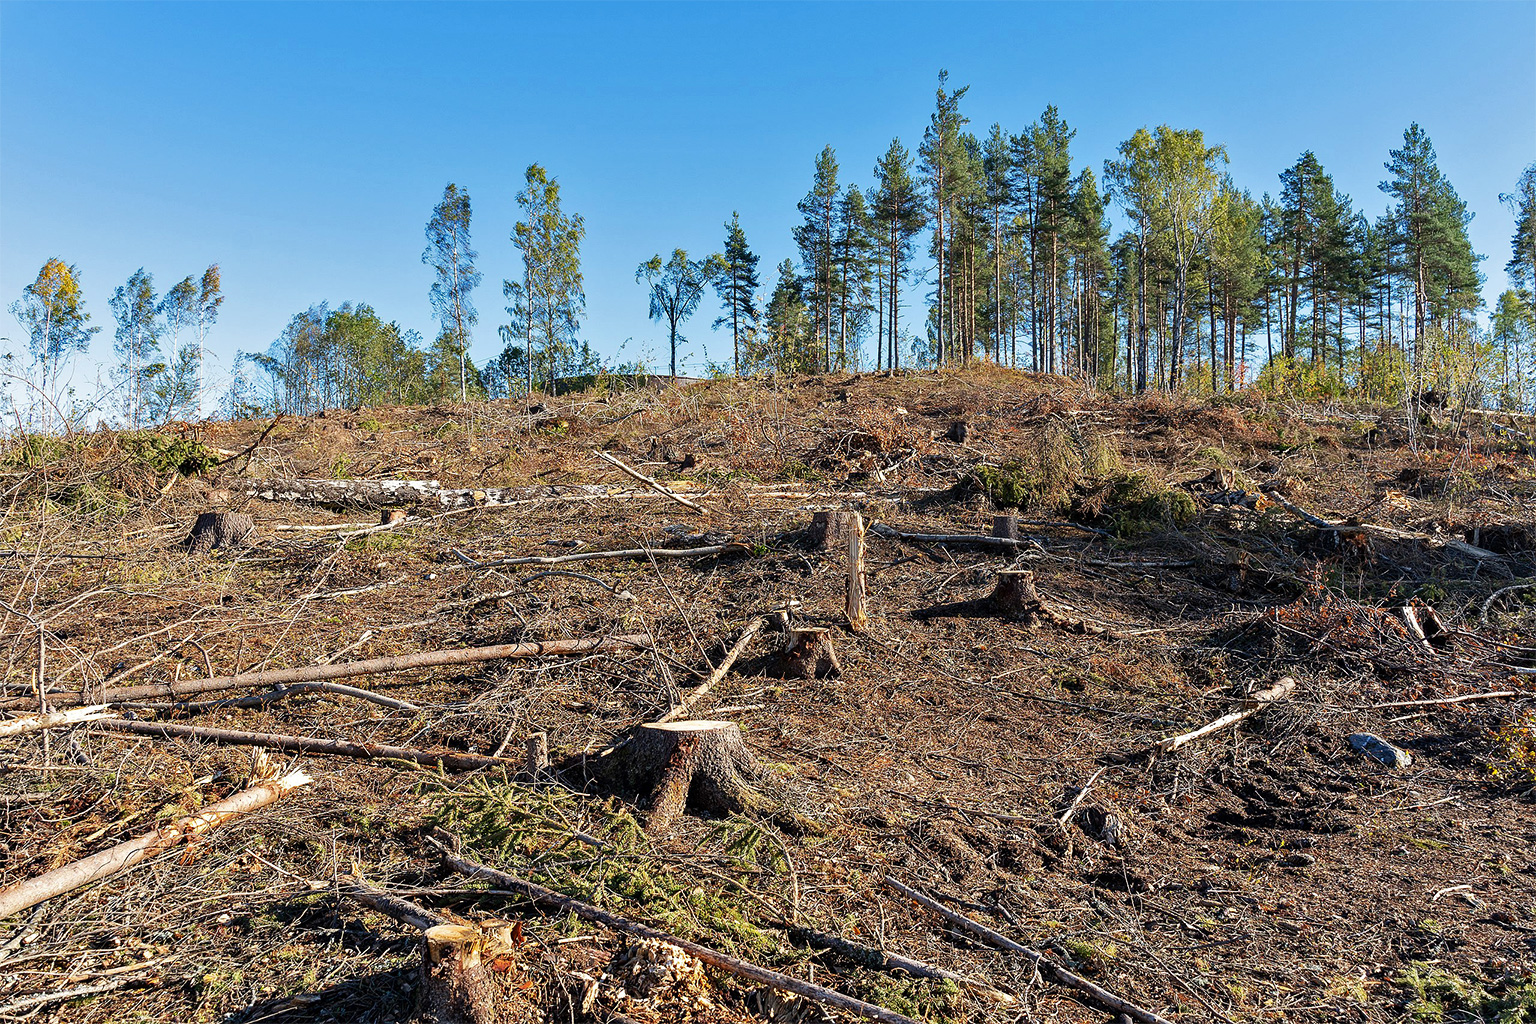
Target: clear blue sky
{"x":302,"y":146}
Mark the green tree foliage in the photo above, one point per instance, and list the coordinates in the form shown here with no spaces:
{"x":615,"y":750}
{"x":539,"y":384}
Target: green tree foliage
{"x":815,"y":238}
{"x":736,"y":285}
{"x":790,"y":342}
{"x":52,"y":312}
{"x":137,"y":312}
{"x":449,"y":255}
{"x":1522,"y":261}
{"x":942,"y":159}
{"x":675,"y":290}
{"x":349,"y":357}
{"x":547,"y":305}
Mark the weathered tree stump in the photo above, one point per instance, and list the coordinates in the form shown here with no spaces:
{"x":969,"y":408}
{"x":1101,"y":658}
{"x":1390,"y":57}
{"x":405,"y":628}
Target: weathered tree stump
{"x":806,"y":654}
{"x":858,"y":583}
{"x":829,"y":530}
{"x":469,"y":976}
{"x":1006,"y":527}
{"x":702,"y":764}
{"x":1015,"y":596}
{"x":536,"y":748}
{"x":223,"y":530}
{"x":959,"y":431}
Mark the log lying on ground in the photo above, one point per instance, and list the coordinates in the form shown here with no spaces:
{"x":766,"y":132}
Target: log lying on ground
{"x":1050,"y":970}
{"x":670,"y":764}
{"x":1389,"y":532}
{"x":895,"y":963}
{"x":345,"y":670}
{"x":258,"y":700}
{"x":1256,"y":702}
{"x":59,"y":719}
{"x":123,"y":856}
{"x":371,"y":494}
{"x":550,"y":900}
{"x":591,"y":556}
{"x":649,"y":482}
{"x":969,"y":539}
{"x":448,"y":760}
{"x":686,"y":704}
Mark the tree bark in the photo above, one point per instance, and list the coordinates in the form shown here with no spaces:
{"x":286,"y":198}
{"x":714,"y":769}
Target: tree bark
{"x":219,"y":530}
{"x":857,"y":583}
{"x":807,"y":654}
{"x":674,"y":765}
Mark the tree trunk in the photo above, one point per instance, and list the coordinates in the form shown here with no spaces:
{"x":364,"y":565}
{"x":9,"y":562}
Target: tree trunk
{"x":1015,"y":596}
{"x":469,"y":977}
{"x":699,"y":764}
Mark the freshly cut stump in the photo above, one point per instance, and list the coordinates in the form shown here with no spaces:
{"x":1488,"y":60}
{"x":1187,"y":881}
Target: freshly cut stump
{"x":699,"y":764}
{"x":221,"y":530}
{"x":1015,"y":596}
{"x":469,"y":976}
{"x":806,"y":654}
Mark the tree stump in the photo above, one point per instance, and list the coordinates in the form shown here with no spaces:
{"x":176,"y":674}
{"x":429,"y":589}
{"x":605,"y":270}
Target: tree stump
{"x":221,"y":530}
{"x":536,"y":748}
{"x":806,"y":654}
{"x":1015,"y":596}
{"x":469,"y":976}
{"x":829,"y":530}
{"x":699,"y":764}
{"x":390,"y":516}
{"x":959,"y":431}
{"x":858,"y":582}
{"x":1006,"y":527}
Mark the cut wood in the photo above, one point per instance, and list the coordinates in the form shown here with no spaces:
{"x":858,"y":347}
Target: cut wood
{"x":536,"y":752}
{"x":857,"y":583}
{"x":258,"y":700}
{"x":371,"y":494}
{"x":448,"y":760}
{"x":685,"y":705}
{"x":1493,"y":695}
{"x":1272,"y":492}
{"x":1256,"y":702}
{"x":219,"y":530}
{"x":673,"y":764}
{"x":123,"y":856}
{"x":1006,"y":527}
{"x":550,"y":900}
{"x":806,"y":654}
{"x":659,"y":488}
{"x":58,"y":719}
{"x":1053,"y":972}
{"x":1015,"y":597}
{"x":345,"y":670}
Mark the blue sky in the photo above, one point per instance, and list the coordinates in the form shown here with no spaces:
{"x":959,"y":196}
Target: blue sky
{"x":303,"y":145}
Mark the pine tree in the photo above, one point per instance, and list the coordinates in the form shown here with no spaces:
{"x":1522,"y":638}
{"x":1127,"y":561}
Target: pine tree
{"x":851,"y":244}
{"x":790,"y":345}
{"x":737,"y":287}
{"x":448,"y":253}
{"x":996,"y":163}
{"x":1131,"y":183}
{"x":1522,"y":261}
{"x":814,"y":237}
{"x":939,"y":152}
{"x":898,"y":216}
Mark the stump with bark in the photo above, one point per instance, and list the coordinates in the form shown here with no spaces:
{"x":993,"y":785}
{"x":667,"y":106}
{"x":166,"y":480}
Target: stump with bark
{"x":469,"y":976}
{"x":829,"y":530}
{"x":1015,"y":596}
{"x":222,"y":530}
{"x":1006,"y":527}
{"x":673,"y":766}
{"x":806,"y":654}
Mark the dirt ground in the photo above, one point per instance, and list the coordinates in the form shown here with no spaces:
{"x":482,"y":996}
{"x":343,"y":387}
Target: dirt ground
{"x":1006,"y":766}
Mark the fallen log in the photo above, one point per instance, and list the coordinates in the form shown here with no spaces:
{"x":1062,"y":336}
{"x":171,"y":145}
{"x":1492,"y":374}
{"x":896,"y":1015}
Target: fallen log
{"x":685,"y":705}
{"x":374,"y":494}
{"x":1256,"y":702}
{"x":970,"y":539}
{"x":590,"y":556}
{"x":1388,"y":532}
{"x":649,"y":482}
{"x":448,"y":760}
{"x":59,"y":719}
{"x":257,"y":700}
{"x":345,"y":670}
{"x":550,"y":900}
{"x":894,"y":963}
{"x":1049,"y":969}
{"x":123,"y":856}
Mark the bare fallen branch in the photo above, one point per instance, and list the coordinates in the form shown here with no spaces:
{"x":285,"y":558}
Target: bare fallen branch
{"x":649,"y":482}
{"x":448,"y":760}
{"x":551,"y":900}
{"x":685,"y":705}
{"x":591,"y":556}
{"x":1255,"y":703}
{"x":123,"y":856}
{"x":37,"y":723}
{"x":969,"y":539}
{"x":1389,"y":532}
{"x":1053,"y":972}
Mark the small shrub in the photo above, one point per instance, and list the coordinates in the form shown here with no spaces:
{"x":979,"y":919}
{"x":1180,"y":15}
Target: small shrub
{"x":164,"y":453}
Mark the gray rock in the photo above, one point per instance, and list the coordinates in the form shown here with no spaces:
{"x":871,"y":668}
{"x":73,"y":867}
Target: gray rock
{"x":1378,"y":749}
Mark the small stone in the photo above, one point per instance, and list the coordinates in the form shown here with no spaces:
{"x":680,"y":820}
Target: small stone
{"x":1378,"y":749}
{"x":1299,"y":860}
